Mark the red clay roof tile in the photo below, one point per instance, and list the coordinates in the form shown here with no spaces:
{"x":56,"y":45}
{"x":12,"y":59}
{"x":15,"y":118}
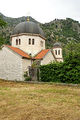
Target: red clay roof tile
{"x":19,"y":51}
{"x":41,"y":54}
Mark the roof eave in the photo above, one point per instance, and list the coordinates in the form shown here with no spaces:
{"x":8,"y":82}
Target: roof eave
{"x":32,"y":34}
{"x":26,"y":58}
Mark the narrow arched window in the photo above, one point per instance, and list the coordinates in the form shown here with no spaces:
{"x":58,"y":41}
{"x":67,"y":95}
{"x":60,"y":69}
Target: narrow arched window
{"x":32,"y":41}
{"x":19,"y":41}
{"x":29,"y":41}
{"x":55,"y":52}
{"x":16,"y":41}
{"x":41,"y":43}
{"x":58,"y":52}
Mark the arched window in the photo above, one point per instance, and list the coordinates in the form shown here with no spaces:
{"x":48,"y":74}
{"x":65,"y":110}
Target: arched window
{"x":16,"y":41}
{"x":29,"y":41}
{"x":32,"y":41}
{"x":55,"y":52}
{"x":58,"y":52}
{"x":19,"y":41}
{"x":41,"y":43}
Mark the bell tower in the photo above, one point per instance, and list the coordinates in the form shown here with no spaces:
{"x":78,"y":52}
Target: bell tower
{"x":57,"y":51}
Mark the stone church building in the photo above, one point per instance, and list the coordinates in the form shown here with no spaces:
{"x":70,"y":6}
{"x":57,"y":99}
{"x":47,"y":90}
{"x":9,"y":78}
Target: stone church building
{"x":27,"y":45}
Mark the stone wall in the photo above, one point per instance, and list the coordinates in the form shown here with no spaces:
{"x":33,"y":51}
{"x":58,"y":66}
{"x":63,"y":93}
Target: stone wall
{"x":10,"y":65}
{"x":47,"y":58}
{"x":33,"y":49}
{"x":25,"y":65}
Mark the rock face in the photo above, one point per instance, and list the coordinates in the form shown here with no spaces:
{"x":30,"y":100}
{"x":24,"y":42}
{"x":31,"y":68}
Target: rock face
{"x":65,"y":29}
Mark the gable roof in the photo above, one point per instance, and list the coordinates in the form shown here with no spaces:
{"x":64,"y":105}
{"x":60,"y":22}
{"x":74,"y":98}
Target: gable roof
{"x":19,"y":51}
{"x":41,"y":54}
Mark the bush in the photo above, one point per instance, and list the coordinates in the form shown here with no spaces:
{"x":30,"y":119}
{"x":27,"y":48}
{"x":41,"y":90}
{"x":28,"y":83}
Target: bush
{"x":66,"y":72}
{"x":27,"y":78}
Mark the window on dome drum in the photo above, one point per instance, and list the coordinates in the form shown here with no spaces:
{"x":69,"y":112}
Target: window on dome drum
{"x":41,"y":42}
{"x":29,"y":41}
{"x":56,"y":52}
{"x":19,"y":41}
{"x":32,"y":41}
{"x":16,"y":41}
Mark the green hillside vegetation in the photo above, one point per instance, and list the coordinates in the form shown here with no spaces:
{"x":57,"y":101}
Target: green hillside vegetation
{"x":5,"y":32}
{"x":2,"y":25}
{"x":66,"y":31}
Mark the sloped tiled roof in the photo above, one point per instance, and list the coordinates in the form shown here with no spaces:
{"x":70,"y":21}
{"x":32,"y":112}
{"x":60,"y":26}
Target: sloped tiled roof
{"x":19,"y":51}
{"x":41,"y":54}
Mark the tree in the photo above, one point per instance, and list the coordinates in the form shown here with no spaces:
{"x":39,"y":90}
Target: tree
{"x":71,"y":48}
{"x":2,"y":24}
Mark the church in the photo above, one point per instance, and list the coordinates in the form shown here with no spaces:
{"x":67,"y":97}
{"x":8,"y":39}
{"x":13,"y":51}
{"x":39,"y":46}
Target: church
{"x":27,"y":45}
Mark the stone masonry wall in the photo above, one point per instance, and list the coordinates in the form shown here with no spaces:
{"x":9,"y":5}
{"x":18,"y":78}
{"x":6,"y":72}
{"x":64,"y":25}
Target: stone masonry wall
{"x":47,"y":58}
{"x":29,"y":48}
{"x":10,"y":65}
{"x":25,"y":65}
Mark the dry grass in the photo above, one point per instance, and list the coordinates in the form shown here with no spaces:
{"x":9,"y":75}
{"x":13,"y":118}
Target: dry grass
{"x":22,"y":101}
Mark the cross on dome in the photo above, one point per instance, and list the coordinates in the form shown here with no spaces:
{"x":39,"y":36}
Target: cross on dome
{"x":28,"y":19}
{"x":28,"y":14}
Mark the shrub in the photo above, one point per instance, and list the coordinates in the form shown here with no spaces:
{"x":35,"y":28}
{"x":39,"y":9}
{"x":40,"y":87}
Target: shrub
{"x":27,"y":78}
{"x":66,"y":72}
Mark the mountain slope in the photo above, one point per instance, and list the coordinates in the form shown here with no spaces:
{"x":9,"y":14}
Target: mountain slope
{"x":63,"y":30}
{"x":11,"y":23}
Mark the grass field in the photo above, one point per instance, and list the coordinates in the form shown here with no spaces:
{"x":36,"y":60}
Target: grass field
{"x":23,"y":101}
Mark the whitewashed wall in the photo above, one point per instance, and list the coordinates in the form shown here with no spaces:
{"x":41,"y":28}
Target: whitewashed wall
{"x":33,"y":49}
{"x":47,"y":58}
{"x":10,"y":65}
{"x":25,"y":65}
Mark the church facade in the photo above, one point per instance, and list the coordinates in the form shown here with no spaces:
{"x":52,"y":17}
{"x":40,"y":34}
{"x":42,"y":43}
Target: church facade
{"x":27,"y":45}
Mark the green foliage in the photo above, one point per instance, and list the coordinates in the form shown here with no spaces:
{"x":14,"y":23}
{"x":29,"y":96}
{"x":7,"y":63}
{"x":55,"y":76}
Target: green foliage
{"x":71,"y":48}
{"x":65,"y":29}
{"x":66,"y":72}
{"x":27,"y":78}
{"x":2,"y":41}
{"x":35,"y":64}
{"x":49,"y":73}
{"x":2,"y":22}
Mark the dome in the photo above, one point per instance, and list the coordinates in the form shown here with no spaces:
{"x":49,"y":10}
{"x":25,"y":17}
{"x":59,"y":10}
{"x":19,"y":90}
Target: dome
{"x":57,"y":44}
{"x":28,"y":27}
